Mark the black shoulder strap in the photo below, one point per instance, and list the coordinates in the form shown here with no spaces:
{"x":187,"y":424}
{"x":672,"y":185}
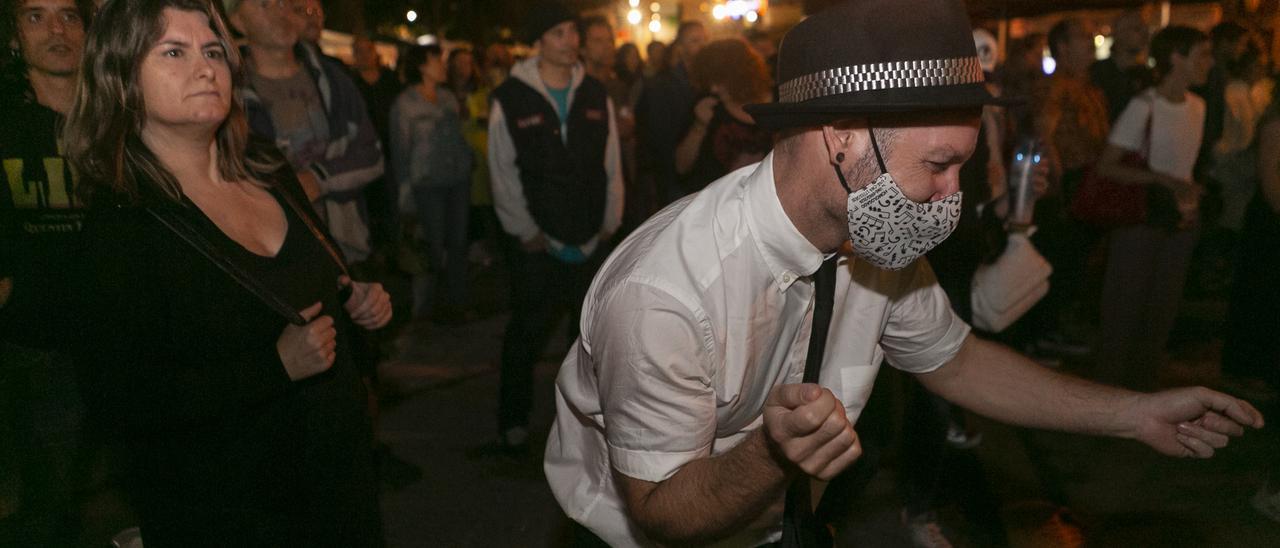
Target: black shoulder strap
{"x":308,"y":218}
{"x":188,"y":233}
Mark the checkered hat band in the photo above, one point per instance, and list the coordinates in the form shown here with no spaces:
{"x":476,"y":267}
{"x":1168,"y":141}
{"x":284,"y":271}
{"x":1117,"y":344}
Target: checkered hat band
{"x":874,"y":76}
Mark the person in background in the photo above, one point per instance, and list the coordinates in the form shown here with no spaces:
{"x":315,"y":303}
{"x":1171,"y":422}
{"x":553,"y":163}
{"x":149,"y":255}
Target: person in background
{"x":1251,"y":349}
{"x":937,"y":443}
{"x":656,"y":61}
{"x":629,"y":68}
{"x":1248,"y":93}
{"x":1022,"y":75}
{"x":1230,"y":41}
{"x":379,"y":87}
{"x":309,"y":15}
{"x":1125,"y":72}
{"x":666,"y":110}
{"x":431,"y":161}
{"x":600,"y":57}
{"x":1071,"y":122}
{"x":642,"y":197}
{"x":468,"y":84}
{"x":312,"y":110}
{"x":40,"y":218}
{"x":240,"y":410}
{"x":558,"y":191}
{"x":497,"y":63}
{"x":723,"y":137}
{"x":764,"y":45}
{"x":1147,"y":265}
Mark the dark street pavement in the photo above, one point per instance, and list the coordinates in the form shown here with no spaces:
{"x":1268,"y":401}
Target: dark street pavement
{"x":439,"y":409}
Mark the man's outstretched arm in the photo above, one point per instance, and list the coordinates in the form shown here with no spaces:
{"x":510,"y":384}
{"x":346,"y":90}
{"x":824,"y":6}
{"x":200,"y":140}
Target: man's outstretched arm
{"x":997,"y":382}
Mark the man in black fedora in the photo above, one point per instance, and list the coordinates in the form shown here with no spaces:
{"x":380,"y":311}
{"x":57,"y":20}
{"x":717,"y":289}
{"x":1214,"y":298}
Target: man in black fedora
{"x":729,"y":344}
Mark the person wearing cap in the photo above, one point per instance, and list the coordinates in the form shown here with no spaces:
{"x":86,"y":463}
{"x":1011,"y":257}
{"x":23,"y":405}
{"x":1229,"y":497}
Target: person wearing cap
{"x":313,"y":111}
{"x":681,"y":415}
{"x":556,"y":173}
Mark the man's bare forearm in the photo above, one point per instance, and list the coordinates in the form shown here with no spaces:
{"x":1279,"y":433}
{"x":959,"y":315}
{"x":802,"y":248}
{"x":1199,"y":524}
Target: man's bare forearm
{"x":709,"y":498}
{"x":999,"y":383}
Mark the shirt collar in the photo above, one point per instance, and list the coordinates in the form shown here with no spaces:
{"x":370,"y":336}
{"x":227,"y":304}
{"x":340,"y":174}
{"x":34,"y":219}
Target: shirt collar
{"x":787,"y":252}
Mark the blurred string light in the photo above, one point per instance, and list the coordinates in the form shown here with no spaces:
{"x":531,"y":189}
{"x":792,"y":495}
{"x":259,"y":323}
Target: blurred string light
{"x":635,"y":3}
{"x":655,"y":7}
{"x":737,"y":9}
{"x":655,"y":26}
{"x":411,"y":16}
{"x":633,"y":17}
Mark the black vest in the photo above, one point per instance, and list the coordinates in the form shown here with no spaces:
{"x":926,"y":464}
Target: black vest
{"x":564,"y":182}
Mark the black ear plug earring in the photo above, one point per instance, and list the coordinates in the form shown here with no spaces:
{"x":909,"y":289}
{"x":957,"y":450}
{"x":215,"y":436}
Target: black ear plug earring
{"x":839,"y":157}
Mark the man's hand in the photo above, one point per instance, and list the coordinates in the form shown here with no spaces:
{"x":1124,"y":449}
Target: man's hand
{"x":6,"y":289}
{"x":808,"y":427}
{"x":536,"y":244}
{"x":369,"y":305}
{"x":310,"y":184}
{"x":1190,"y":422}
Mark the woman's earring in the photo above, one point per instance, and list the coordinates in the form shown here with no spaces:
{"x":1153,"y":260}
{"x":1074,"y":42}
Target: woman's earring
{"x":839,"y":157}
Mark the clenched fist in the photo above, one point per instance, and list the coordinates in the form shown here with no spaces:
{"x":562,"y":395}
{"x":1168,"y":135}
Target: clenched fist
{"x":807,"y":425}
{"x":308,"y":350}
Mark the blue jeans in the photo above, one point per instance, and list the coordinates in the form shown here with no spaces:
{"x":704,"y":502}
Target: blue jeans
{"x":443,"y":212}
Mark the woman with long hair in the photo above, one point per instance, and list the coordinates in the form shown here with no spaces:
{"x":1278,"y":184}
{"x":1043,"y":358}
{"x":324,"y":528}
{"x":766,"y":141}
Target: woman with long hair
{"x":431,"y":162}
{"x":214,"y":343}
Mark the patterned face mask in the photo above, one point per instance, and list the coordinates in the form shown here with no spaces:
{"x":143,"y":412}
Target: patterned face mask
{"x":890,"y":230}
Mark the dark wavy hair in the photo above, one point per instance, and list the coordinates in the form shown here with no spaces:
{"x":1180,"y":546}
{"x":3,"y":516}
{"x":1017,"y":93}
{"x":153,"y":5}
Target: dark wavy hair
{"x":417,"y":56}
{"x":1170,"y":40}
{"x":13,"y":67}
{"x":103,"y":134}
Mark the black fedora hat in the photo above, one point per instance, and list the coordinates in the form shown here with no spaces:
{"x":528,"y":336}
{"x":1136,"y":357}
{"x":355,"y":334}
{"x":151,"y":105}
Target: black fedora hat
{"x":864,"y":57}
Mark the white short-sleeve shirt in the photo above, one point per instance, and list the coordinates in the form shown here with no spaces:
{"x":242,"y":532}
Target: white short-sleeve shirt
{"x":1176,"y":131}
{"x":694,"y":319}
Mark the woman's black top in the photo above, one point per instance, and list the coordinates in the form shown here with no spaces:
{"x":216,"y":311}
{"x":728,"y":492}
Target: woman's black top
{"x":180,"y":367}
{"x":728,"y":144}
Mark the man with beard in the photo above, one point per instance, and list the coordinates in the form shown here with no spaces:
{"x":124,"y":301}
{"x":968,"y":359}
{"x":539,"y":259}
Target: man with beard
{"x":704,"y":400}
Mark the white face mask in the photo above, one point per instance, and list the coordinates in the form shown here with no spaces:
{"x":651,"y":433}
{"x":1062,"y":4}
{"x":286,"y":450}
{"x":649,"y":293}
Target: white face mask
{"x":890,"y":230}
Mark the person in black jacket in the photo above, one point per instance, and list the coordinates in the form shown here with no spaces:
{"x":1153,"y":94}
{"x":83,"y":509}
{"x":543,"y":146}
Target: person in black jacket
{"x":556,"y":173}
{"x":40,"y":411}
{"x":214,"y":337}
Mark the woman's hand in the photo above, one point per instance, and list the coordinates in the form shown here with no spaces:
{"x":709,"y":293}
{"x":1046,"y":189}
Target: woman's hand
{"x":369,"y":305}
{"x":308,"y":350}
{"x":705,"y":110}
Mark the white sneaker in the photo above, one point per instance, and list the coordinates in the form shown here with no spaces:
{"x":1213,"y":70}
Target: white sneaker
{"x":1267,"y":503}
{"x":924,"y":531}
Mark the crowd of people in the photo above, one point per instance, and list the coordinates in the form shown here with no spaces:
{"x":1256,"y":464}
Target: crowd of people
{"x":201,"y":204}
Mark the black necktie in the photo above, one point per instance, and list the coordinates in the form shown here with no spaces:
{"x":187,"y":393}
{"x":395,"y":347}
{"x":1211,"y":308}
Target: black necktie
{"x":800,"y":528}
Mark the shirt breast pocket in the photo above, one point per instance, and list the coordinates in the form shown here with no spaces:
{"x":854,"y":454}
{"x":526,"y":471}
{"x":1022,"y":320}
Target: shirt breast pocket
{"x":852,"y":383}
